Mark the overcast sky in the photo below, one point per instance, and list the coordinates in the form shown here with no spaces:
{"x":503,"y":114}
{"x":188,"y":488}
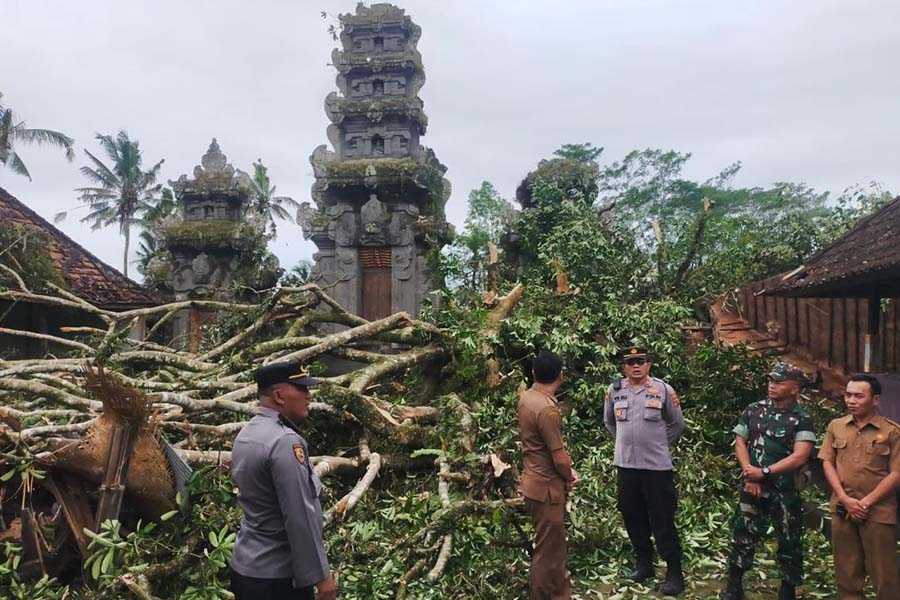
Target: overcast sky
{"x":798,"y":91}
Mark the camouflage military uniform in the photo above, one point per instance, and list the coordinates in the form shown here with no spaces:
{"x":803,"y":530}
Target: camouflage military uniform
{"x":770,"y":434}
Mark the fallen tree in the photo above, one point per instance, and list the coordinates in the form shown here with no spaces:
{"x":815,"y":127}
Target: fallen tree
{"x":61,"y":415}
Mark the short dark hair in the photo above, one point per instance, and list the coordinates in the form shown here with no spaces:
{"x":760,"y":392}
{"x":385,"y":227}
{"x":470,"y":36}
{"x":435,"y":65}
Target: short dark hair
{"x":546,"y":366}
{"x":874,"y":384}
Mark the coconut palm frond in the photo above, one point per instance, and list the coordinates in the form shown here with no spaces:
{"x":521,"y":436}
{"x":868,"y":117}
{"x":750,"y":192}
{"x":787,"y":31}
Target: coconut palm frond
{"x":15,"y":163}
{"x":47,"y":137}
{"x":279,"y":200}
{"x":100,"y":173}
{"x":13,"y":131}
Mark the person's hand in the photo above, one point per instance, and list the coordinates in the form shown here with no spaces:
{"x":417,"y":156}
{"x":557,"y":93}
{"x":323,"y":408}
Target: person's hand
{"x":753,"y":488}
{"x":575,"y":479}
{"x":857,"y":510}
{"x":326,"y":589}
{"x":752,"y":473}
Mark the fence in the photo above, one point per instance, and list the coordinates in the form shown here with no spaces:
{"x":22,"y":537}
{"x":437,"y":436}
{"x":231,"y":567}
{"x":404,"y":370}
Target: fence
{"x":829,"y":330}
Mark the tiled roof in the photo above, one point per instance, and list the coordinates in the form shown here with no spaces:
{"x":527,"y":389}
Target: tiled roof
{"x":863,"y":263}
{"x":86,"y":275}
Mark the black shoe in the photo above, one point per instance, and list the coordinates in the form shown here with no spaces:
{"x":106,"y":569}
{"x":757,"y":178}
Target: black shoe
{"x":643,"y":569}
{"x":735,"y":588}
{"x":787,"y":591}
{"x":674,"y":582}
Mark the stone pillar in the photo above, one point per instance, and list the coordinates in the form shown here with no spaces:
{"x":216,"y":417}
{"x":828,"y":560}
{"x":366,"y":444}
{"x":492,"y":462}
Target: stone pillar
{"x":379,"y":196}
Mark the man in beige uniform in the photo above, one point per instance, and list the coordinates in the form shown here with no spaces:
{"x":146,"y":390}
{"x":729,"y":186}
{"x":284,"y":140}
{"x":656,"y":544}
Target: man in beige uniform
{"x":861,"y":458}
{"x":547,"y":478}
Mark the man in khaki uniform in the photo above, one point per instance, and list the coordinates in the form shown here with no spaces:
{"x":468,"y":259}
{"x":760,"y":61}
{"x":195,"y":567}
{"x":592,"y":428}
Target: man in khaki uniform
{"x":861,"y":458}
{"x":547,"y":478}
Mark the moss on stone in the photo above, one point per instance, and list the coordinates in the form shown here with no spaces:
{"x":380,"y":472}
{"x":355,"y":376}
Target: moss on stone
{"x":391,"y":174}
{"x":206,"y":235}
{"x":408,"y":59}
{"x":375,"y":110}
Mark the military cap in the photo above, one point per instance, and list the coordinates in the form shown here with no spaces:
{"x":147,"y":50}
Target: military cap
{"x":634,"y":352}
{"x":783,"y":371}
{"x":284,"y":372}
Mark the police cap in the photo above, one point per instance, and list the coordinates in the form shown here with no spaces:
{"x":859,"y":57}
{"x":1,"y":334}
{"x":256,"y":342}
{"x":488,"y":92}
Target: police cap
{"x":284,"y":372}
{"x":634,"y":352}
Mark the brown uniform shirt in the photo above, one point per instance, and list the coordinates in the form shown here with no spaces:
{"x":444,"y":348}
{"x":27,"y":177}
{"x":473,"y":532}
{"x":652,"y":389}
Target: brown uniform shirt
{"x":862,"y":458}
{"x":540,"y":430}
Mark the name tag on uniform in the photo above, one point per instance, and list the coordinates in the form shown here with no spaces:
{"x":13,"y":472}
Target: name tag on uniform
{"x":654,"y":403}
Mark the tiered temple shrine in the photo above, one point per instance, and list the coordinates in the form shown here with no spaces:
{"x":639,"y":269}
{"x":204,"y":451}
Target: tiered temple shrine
{"x":380,"y":195}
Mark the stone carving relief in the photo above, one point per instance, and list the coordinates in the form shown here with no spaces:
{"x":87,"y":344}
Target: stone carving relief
{"x":323,"y":272}
{"x":374,"y":217}
{"x":200,"y":274}
{"x":375,"y":86}
{"x":202,"y":268}
{"x":403,"y":221}
{"x":345,"y":224}
{"x":402,"y":262}
{"x":346,"y":265}
{"x":389,"y":141}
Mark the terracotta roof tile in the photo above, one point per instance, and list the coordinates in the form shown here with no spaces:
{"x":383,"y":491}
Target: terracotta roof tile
{"x":863,"y":263}
{"x":85,"y":274}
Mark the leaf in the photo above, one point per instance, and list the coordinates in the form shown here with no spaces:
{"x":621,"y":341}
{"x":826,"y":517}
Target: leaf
{"x":213,"y":538}
{"x":95,"y":569}
{"x":168,"y":515}
{"x":427,"y":452}
{"x":60,"y":217}
{"x":107,"y":561}
{"x":8,"y":475}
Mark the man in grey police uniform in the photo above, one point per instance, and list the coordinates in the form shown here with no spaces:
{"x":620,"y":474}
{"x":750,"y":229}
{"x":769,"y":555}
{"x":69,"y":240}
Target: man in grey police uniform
{"x":279,"y":553}
{"x":644,"y":415}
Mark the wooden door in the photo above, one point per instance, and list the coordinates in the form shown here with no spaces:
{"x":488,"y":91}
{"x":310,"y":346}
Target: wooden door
{"x":376,"y":282}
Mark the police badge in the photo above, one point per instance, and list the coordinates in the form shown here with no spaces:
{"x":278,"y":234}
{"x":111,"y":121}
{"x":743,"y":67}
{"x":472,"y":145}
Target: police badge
{"x":299,"y":453}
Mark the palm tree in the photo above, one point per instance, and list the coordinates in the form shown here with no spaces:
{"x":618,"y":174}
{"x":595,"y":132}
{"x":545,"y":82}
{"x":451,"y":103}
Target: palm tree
{"x":264,"y":201}
{"x":124,"y":191}
{"x":163,"y":208}
{"x":12,"y":131}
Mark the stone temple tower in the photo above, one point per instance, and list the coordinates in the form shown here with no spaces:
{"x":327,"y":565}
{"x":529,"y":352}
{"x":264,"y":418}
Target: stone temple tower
{"x":379,"y":195}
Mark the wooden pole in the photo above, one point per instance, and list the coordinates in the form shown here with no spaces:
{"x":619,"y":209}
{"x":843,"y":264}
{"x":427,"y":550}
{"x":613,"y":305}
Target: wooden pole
{"x":118,"y":457}
{"x":871,"y":360}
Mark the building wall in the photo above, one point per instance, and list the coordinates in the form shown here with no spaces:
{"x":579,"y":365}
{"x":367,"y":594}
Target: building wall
{"x":830,"y":330}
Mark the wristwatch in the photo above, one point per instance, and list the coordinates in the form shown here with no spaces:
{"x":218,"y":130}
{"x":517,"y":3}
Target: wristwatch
{"x":766,"y":472}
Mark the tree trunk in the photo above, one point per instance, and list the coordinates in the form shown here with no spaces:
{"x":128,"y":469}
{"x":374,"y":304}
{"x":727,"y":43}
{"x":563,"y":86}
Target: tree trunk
{"x":127,"y":243}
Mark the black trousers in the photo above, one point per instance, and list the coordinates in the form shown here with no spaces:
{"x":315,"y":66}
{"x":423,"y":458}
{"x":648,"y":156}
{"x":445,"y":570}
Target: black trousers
{"x":254,"y":588}
{"x":647,"y":501}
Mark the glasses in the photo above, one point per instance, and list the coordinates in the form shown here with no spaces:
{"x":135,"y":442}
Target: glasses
{"x":632,"y":362}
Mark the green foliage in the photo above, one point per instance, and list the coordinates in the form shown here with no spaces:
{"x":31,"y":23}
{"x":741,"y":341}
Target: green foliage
{"x":465,"y":262}
{"x":573,"y":177}
{"x":158,"y":211}
{"x":14,"y":131}
{"x":299,"y":275}
{"x":26,"y":251}
{"x":264,"y":201}
{"x":122,"y":191}
{"x":585,"y":153}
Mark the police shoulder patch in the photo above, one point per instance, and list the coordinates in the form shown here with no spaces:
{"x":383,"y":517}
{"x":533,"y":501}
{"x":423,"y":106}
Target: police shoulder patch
{"x":299,"y":453}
